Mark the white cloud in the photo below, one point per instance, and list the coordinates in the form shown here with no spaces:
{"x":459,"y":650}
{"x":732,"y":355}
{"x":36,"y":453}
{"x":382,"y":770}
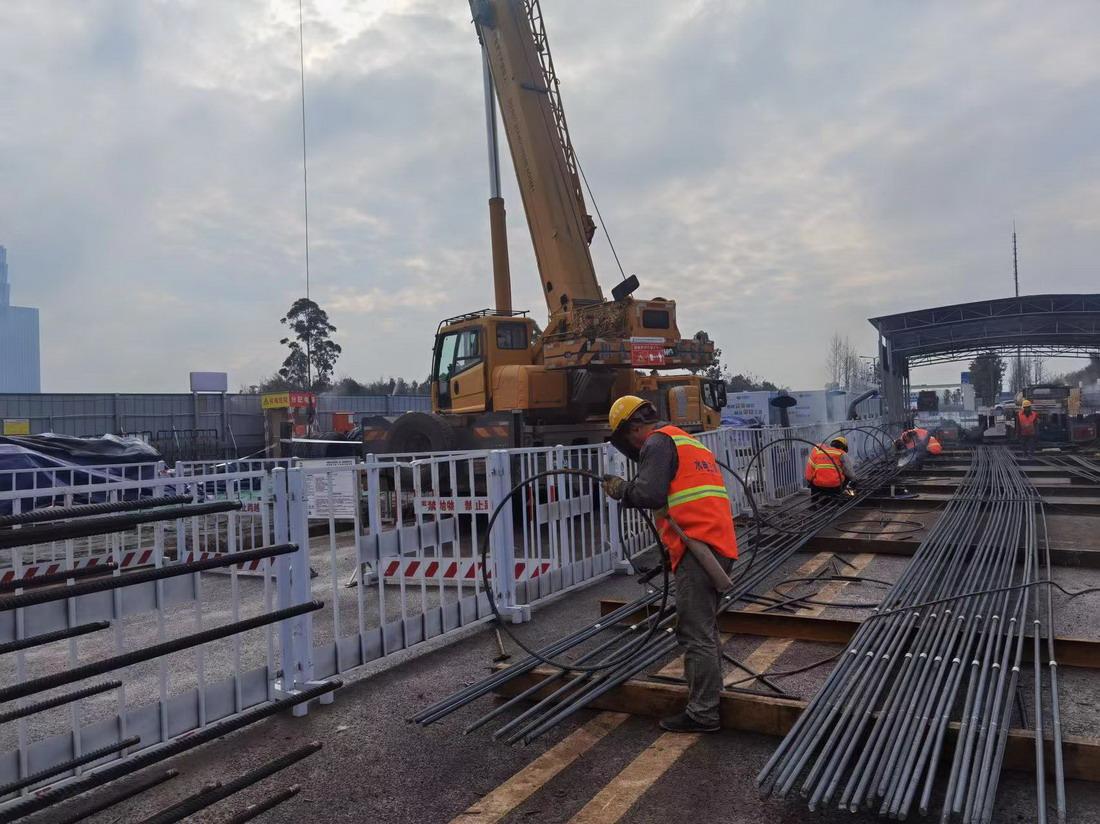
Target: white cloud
{"x":781,"y":170}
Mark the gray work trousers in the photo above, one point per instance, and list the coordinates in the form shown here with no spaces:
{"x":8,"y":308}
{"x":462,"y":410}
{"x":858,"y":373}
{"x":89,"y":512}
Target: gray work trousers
{"x":697,"y":632}
{"x":1028,"y":442}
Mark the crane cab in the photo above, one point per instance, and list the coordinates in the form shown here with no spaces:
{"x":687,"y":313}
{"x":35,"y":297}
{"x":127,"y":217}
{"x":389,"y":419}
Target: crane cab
{"x":470,"y":352}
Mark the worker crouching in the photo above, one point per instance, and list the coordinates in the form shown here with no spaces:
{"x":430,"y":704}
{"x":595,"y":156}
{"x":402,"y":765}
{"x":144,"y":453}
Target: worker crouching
{"x":679,"y":478}
{"x":917,"y":444}
{"x":828,"y":471}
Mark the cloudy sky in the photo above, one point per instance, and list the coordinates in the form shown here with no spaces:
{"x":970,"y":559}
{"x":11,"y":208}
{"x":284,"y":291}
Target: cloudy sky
{"x":782,"y":169}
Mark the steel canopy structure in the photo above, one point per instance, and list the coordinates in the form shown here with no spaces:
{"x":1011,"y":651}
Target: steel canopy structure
{"x":1052,"y":325}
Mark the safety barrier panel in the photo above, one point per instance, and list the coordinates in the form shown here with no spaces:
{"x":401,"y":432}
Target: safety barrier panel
{"x":99,"y":671}
{"x":376,"y":556}
{"x":425,"y":515}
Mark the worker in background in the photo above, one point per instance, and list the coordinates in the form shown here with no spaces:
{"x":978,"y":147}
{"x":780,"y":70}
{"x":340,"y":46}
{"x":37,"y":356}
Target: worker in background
{"x":914,"y":442}
{"x":679,"y":478}
{"x":828,"y":471}
{"x":1027,"y":428}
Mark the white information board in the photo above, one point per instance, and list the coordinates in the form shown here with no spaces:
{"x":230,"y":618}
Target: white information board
{"x":331,"y":495}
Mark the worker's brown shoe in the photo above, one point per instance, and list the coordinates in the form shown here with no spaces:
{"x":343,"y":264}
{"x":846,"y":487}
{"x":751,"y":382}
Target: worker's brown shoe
{"x":683,"y":722}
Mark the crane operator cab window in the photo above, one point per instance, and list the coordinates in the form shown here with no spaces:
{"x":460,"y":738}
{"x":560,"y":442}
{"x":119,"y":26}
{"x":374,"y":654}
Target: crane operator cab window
{"x":511,"y":336}
{"x":457,"y":352}
{"x":714,"y":394}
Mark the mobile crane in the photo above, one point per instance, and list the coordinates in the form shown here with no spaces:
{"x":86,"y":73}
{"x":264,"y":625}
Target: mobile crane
{"x":497,"y":379}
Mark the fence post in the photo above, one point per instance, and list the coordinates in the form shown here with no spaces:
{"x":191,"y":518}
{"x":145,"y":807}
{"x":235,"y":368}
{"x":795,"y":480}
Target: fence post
{"x":371,"y":542}
{"x":181,"y":489}
{"x":301,"y":625}
{"x":283,"y":597}
{"x":616,"y":465}
{"x":502,"y":540}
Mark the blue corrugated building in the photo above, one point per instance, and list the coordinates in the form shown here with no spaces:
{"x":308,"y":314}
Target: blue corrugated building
{"x":20,"y":360}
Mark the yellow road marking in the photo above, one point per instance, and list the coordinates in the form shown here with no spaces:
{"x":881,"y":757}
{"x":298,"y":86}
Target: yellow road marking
{"x":613,"y":801}
{"x":525,"y":783}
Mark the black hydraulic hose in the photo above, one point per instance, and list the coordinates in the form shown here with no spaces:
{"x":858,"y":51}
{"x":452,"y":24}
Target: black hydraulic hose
{"x":768,"y":553}
{"x":886,"y":452}
{"x":61,"y":513}
{"x":627,"y":651}
{"x":666,"y":564}
{"x":486,"y":685}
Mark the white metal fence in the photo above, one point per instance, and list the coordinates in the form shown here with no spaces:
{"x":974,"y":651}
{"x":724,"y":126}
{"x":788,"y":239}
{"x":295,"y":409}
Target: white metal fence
{"x":133,"y":693}
{"x":389,"y":545}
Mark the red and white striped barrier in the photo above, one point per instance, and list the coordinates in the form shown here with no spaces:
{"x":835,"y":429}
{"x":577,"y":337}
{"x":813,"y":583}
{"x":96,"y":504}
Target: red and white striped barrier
{"x":255,"y":567}
{"x":442,"y":570}
{"x":130,"y":560}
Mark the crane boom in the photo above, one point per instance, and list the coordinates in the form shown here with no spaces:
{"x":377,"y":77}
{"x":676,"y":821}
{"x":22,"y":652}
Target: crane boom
{"x":497,"y":378}
{"x":515,"y":43}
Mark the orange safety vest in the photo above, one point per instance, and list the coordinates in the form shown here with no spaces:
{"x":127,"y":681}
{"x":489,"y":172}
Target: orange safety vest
{"x":697,"y":500}
{"x":916,"y":437}
{"x":823,"y":468}
{"x":934,"y":446}
{"x":1025,"y":424}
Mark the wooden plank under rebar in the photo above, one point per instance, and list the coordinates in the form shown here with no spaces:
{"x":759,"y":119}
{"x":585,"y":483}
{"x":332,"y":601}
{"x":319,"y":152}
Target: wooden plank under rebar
{"x":1070,"y":652}
{"x":776,"y":716}
{"x":1059,"y":556}
{"x":1054,"y":505}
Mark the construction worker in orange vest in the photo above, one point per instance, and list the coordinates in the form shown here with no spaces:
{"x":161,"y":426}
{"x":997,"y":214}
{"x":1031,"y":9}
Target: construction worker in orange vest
{"x":915,"y":442}
{"x":1027,"y":428}
{"x":679,"y":478}
{"x":828,"y":472}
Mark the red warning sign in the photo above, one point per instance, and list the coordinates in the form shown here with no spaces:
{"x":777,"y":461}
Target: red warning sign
{"x":646,"y":353}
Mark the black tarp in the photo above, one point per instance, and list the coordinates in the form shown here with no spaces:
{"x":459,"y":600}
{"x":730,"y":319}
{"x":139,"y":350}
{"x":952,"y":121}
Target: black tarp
{"x":43,"y":462}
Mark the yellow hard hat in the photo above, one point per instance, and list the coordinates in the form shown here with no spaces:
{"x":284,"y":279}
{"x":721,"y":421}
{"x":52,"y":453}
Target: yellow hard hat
{"x":840,"y":441}
{"x":1027,"y":404}
{"x":623,"y":408}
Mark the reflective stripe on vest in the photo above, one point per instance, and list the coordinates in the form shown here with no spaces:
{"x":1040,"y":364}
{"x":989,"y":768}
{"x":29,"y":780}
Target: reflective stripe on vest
{"x":697,"y":500}
{"x":824,"y":469}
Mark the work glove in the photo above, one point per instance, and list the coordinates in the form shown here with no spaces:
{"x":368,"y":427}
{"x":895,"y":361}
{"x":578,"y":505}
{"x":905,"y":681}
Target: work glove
{"x":614,"y":487}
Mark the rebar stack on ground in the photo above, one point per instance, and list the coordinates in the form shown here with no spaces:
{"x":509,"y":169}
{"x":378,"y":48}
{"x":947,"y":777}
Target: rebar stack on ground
{"x":941,"y":654}
{"x":606,"y":641}
{"x":1076,"y":465}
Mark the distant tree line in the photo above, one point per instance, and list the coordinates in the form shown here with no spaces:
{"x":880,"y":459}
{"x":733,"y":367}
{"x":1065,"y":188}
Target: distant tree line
{"x":741,"y":382}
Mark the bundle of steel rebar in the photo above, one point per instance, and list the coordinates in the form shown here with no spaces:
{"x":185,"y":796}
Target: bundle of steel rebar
{"x":763,"y":552}
{"x":939,"y":659}
{"x":1076,"y":465}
